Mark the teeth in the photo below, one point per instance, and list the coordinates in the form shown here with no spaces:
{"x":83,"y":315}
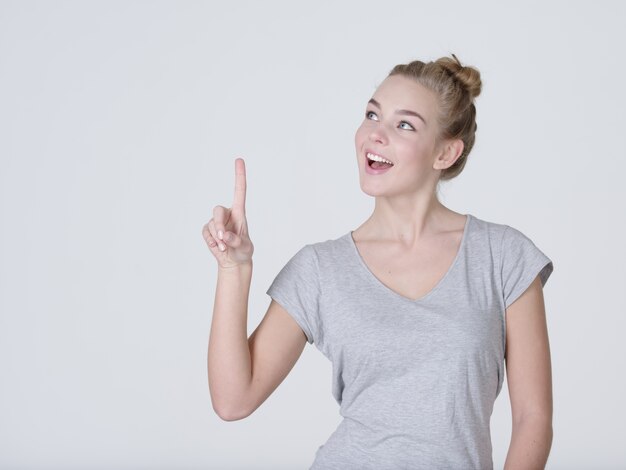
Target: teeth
{"x":376,"y":158}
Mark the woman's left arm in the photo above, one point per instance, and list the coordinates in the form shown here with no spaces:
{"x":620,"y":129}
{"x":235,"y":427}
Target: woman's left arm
{"x":529,"y":378}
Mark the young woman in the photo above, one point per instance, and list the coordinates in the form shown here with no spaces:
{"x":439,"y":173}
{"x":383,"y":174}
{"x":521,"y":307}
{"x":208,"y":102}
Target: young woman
{"x":417,"y":309}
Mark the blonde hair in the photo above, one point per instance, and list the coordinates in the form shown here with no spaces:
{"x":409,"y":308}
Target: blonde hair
{"x":456,"y":86}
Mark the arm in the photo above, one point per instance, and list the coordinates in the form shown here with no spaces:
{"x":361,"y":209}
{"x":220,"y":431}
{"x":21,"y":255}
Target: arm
{"x":529,"y":378}
{"x":228,"y":361}
{"x":243,"y":371}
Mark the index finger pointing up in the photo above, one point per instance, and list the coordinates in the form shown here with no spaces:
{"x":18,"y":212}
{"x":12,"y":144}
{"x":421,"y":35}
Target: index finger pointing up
{"x":240,"y":184}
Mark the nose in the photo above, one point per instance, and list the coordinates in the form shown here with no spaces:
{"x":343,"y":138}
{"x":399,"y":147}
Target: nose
{"x":378,"y":135}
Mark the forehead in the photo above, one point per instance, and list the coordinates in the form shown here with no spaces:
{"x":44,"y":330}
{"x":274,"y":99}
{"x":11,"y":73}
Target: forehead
{"x":400,"y":92}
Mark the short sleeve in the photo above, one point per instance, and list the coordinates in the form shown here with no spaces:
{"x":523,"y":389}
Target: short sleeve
{"x":521,"y":262}
{"x":297,"y":288}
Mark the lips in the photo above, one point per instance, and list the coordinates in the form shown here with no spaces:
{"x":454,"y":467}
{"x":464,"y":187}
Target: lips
{"x":367,"y":160}
{"x":370,"y":170}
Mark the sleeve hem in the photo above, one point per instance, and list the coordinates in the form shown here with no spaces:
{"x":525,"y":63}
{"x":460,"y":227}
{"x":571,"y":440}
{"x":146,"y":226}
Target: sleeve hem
{"x":543,"y":268}
{"x":291,"y":308}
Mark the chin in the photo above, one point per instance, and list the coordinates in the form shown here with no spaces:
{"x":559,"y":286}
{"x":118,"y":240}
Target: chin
{"x":375,"y":190}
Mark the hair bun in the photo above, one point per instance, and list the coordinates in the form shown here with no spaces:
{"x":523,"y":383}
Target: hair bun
{"x":468,"y":76}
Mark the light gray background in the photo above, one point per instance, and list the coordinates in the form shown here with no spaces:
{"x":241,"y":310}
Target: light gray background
{"x":120,"y":123}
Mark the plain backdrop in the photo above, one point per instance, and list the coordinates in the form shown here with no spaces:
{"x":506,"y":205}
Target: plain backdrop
{"x":120,"y":123}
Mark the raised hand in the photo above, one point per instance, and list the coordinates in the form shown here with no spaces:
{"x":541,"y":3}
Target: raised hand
{"x":226,"y":233}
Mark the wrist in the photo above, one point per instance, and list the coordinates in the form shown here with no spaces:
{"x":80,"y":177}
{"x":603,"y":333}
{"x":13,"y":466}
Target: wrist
{"x":235,"y":268}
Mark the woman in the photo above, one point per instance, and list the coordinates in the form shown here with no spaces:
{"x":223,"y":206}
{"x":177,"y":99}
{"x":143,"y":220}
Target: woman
{"x":417,"y":308}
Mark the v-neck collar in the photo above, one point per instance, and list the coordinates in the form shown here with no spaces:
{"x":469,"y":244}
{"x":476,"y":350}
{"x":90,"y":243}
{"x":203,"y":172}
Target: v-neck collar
{"x":426,"y":296}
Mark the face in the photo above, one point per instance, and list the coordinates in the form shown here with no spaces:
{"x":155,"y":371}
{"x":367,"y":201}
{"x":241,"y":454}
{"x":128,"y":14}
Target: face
{"x":399,"y":125}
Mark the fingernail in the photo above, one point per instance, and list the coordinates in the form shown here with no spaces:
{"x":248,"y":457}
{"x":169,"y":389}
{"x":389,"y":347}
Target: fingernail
{"x":222,"y":248}
{"x":220,"y":235}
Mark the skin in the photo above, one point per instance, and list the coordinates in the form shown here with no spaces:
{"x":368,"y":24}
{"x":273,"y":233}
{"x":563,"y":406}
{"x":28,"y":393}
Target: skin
{"x":411,"y":232}
{"x":407,"y":225}
{"x":407,"y":212}
{"x":529,"y":378}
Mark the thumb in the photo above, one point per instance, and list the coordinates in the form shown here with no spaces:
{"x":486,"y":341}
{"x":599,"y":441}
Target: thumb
{"x":232,"y":239}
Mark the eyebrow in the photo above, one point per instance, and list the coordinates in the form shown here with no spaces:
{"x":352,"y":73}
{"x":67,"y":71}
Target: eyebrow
{"x":406,"y":112}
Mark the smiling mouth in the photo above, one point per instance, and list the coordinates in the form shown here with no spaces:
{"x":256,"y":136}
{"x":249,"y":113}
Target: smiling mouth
{"x":375,"y":164}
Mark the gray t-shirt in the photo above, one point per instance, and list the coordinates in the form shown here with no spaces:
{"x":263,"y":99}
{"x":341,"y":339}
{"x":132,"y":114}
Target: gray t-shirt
{"x":416,"y":380}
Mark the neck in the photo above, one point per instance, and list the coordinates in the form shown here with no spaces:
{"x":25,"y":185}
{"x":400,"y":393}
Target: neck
{"x":406,"y":219}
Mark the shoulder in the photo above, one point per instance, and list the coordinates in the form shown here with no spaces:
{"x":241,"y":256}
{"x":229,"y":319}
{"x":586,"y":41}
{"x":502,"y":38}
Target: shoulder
{"x":503,"y":242}
{"x":488,"y":232}
{"x":312,"y":254}
{"x":329,"y":247}
{"x":328,"y":256}
{"x":499,"y":232}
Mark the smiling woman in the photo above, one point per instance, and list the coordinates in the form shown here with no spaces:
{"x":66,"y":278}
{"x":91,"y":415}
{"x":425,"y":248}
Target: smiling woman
{"x":442,"y":111}
{"x":416,"y":308}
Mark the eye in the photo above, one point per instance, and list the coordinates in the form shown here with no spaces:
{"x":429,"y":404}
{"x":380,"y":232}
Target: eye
{"x":411,"y":127}
{"x":367,"y":114}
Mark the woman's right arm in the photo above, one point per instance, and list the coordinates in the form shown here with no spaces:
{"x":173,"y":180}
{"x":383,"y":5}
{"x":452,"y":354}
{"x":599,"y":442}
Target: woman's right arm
{"x":243,"y":371}
{"x":229,"y":361}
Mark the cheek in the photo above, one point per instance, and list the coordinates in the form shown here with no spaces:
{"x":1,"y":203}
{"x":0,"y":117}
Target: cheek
{"x":410,"y":149}
{"x":413,"y":153}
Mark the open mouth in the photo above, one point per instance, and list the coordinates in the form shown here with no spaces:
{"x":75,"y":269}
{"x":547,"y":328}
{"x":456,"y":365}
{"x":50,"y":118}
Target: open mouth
{"x":376,"y":162}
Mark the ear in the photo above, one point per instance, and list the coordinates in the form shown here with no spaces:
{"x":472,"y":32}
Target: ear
{"x":450,"y":152}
